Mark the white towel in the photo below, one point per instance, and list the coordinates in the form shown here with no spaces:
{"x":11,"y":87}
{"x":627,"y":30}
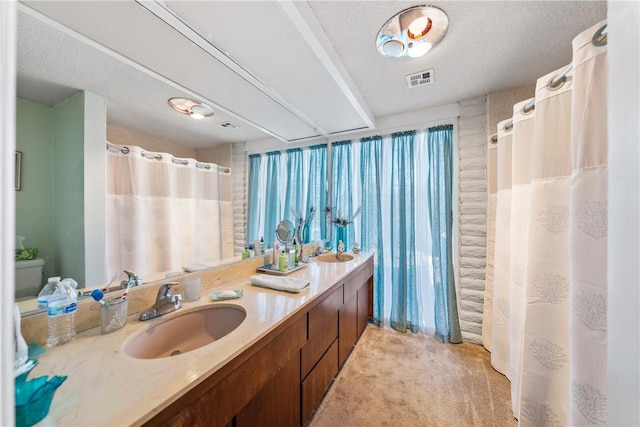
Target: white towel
{"x":190,"y":268}
{"x":287,"y":284}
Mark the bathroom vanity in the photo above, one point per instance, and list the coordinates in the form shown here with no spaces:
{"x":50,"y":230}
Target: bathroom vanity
{"x":273,"y":369}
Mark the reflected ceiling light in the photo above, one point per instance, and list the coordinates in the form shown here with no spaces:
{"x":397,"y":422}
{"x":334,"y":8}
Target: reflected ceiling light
{"x":412,"y":32}
{"x":194,"y":109}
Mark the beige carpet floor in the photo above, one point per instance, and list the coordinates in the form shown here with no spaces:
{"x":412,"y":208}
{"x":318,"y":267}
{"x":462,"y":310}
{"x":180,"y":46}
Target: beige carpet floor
{"x":395,"y":379}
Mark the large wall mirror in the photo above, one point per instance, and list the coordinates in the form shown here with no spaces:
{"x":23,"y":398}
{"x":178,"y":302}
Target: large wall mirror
{"x":73,"y":95}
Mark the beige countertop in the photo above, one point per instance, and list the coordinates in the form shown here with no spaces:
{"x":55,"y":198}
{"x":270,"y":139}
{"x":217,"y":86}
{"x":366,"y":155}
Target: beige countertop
{"x":106,"y":387}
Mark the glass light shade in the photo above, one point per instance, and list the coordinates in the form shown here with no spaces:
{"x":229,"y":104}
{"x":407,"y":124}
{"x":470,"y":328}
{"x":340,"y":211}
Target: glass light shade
{"x":393,"y":48}
{"x":419,"y":28}
{"x":191,"y":107}
{"x":198,"y":112}
{"x":412,"y":32}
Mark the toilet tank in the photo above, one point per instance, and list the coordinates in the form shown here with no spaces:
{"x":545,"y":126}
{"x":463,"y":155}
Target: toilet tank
{"x":29,"y":279}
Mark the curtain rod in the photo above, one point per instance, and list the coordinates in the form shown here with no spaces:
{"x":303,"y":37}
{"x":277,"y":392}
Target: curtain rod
{"x":599,"y":39}
{"x":176,"y":160}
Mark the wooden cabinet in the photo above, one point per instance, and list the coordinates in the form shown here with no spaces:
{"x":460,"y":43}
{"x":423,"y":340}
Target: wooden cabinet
{"x":280,"y":380}
{"x":355,"y":312}
{"x":317,"y":382}
{"x":348,"y":325}
{"x":365,"y":302}
{"x":216,"y":400}
{"x":323,"y":330}
{"x":278,"y":403}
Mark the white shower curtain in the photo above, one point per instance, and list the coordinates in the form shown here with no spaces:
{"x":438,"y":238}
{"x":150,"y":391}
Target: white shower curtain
{"x":492,"y":195}
{"x":557,"y":240}
{"x":522,"y":138}
{"x":164,"y":213}
{"x":502,"y":256}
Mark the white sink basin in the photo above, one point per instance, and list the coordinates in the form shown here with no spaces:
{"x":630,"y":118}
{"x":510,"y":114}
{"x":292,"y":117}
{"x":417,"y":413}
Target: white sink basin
{"x":332,"y":258}
{"x":185,"y":332}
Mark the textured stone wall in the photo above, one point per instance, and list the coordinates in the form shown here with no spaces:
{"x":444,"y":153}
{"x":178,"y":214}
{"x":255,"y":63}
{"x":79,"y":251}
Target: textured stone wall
{"x":239,"y":177}
{"x":472,"y":215}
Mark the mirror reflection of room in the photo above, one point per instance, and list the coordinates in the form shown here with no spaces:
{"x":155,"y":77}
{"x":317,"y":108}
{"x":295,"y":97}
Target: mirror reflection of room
{"x":61,"y":133}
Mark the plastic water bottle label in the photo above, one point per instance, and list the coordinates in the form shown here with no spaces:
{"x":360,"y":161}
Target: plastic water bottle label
{"x":60,"y":307}
{"x":71,"y":308}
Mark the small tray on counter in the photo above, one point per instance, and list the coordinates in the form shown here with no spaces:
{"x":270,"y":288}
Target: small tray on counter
{"x":268,"y":270}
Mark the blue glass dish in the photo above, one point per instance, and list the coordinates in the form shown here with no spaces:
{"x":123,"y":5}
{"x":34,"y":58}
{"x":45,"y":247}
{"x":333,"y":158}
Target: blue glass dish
{"x":33,"y":398}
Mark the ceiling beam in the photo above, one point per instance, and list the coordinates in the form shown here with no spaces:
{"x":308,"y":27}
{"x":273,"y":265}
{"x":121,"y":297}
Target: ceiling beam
{"x":165,"y":14}
{"x":305,"y":21}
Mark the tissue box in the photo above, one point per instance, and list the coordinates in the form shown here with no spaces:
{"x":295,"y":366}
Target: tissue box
{"x":26,"y":254}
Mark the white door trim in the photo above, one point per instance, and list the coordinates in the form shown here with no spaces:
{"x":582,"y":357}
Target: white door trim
{"x":7,"y":199}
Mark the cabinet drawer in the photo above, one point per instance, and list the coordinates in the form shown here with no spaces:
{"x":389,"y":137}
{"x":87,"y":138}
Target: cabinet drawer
{"x":324,"y":311}
{"x":323,"y":330}
{"x":316,"y":384}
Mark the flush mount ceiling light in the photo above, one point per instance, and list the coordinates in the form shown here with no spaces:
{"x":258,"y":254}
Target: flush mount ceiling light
{"x":194,"y":109}
{"x":413,"y":32}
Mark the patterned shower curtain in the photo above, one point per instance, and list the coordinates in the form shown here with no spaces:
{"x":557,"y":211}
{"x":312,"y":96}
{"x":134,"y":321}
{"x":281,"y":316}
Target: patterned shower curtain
{"x":548,"y":325}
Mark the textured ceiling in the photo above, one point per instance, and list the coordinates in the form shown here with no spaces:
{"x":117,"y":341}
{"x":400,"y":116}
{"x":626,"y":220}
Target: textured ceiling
{"x":339,"y":83}
{"x":490,"y":46}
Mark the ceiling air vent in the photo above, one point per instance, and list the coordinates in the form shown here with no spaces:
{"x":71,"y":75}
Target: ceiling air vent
{"x":228,"y":125}
{"x":419,"y":79}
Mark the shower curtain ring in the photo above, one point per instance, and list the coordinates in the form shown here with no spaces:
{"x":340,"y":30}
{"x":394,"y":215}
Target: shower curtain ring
{"x":600,"y":37}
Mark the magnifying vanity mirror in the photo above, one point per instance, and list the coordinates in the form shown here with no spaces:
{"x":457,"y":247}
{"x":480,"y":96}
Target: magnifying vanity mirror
{"x":284,"y":232}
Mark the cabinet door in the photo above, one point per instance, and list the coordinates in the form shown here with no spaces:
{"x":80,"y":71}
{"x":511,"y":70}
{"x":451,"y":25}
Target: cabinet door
{"x":278,"y":403}
{"x":364,"y":295}
{"x":323,"y":330}
{"x":348,"y":325}
{"x":317,"y":382}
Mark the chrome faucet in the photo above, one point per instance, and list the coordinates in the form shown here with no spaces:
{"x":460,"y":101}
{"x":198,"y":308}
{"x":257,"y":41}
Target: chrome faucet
{"x":340,"y":251}
{"x":130,"y":276}
{"x":165,"y":303}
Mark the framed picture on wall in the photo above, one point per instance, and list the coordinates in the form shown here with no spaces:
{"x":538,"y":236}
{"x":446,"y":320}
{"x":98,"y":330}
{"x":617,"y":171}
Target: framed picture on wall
{"x":18,"y":170}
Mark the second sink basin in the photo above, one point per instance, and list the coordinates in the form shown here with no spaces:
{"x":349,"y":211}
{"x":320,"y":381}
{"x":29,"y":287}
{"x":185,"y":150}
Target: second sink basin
{"x":331,"y":257}
{"x":185,"y":332}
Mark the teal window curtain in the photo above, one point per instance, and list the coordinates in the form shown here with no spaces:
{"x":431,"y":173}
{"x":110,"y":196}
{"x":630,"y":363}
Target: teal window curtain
{"x":254,"y":204}
{"x":341,"y":196}
{"x":440,"y":146}
{"x":404,"y":302}
{"x":272,"y":214}
{"x":371,"y":216}
{"x":293,"y":208}
{"x":316,"y":229}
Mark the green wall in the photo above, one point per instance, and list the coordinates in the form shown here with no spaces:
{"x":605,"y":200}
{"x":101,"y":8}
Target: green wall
{"x":57,"y":190}
{"x":68,"y":187}
{"x":34,"y":209}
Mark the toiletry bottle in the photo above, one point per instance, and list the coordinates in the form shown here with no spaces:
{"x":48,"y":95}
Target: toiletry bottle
{"x":296,"y":248}
{"x":283,"y":262}
{"x":256,"y":247}
{"x":275,"y":253}
{"x":246,"y":254}
{"x":261,"y":245}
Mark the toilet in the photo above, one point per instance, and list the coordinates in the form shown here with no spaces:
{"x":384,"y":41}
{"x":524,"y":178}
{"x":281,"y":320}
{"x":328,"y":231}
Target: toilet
{"x":28,"y":278}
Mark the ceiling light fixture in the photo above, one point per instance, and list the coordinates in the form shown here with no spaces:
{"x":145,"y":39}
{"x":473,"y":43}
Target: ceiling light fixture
{"x":190,"y":107}
{"x":413,"y":32}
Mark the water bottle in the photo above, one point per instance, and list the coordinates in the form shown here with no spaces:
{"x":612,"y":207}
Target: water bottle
{"x":47,"y":291}
{"x":61,"y":314}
